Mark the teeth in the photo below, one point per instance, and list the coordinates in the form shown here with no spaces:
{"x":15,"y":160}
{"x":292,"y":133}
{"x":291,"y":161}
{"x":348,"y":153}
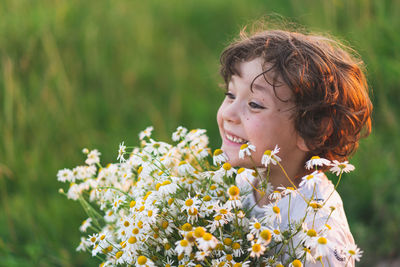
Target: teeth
{"x":236,"y":139}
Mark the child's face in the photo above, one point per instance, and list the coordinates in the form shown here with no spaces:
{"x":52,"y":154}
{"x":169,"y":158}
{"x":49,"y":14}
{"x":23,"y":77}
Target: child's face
{"x":258,"y":117}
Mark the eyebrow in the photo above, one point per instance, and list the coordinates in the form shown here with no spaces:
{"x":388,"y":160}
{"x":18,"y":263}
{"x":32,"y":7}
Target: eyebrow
{"x":260,"y":87}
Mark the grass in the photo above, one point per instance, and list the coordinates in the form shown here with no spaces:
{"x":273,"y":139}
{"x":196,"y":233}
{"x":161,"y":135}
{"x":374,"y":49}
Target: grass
{"x":77,"y":74}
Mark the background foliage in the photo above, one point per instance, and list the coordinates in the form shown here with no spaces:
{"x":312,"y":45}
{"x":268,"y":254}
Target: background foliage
{"x":92,"y":73}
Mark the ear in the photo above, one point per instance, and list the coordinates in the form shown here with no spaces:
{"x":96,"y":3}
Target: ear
{"x":301,"y":144}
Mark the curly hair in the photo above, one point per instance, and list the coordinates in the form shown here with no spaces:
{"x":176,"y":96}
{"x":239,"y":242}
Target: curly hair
{"x":332,"y":108}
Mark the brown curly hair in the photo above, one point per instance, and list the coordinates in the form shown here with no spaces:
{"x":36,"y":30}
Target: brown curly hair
{"x":332,"y":108}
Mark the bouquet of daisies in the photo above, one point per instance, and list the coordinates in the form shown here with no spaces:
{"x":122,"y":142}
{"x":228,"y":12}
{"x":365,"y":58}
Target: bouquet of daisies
{"x":181,"y":205}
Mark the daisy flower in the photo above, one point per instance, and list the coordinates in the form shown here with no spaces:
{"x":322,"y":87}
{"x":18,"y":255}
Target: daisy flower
{"x":219,"y":157}
{"x":201,"y":255}
{"x":255,"y":227}
{"x":237,"y":249}
{"x":296,"y":263}
{"x":65,"y":175}
{"x":146,"y":133}
{"x":245,"y":150}
{"x":85,"y":225}
{"x":143,"y":261}
{"x":191,"y":204}
{"x":202,"y":153}
{"x":206,"y":242}
{"x":256,"y":249}
{"x":305,"y":252}
{"x":288,"y":191}
{"x":316,"y":161}
{"x":275,"y":195}
{"x":234,"y":198}
{"x":339,"y":167}
{"x":272,"y":213}
{"x":121,"y":152}
{"x":265,"y":236}
{"x":185,"y":168}
{"x":310,"y":180}
{"x":93,"y":157}
{"x":322,"y":246}
{"x":179,"y":134}
{"x":227,"y":169}
{"x":277,"y":235}
{"x":353,"y":252}
{"x":183,"y":246}
{"x":270,"y":157}
{"x":244,"y":179}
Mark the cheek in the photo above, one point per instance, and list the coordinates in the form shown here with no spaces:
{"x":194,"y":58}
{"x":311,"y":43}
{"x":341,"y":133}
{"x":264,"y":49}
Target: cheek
{"x":219,"y":115}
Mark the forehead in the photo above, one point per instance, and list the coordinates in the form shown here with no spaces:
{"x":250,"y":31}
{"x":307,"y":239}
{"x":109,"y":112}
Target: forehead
{"x":260,"y":78}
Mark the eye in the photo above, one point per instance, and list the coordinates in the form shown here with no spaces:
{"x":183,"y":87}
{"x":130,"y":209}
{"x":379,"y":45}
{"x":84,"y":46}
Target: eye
{"x":255,"y":105}
{"x":229,"y":95}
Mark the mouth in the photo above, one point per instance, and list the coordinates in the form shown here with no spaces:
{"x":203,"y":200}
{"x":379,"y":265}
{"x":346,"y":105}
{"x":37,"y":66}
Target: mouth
{"x":235,"y":139}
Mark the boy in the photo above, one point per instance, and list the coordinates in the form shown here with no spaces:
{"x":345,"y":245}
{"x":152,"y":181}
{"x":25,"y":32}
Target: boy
{"x":308,"y":95}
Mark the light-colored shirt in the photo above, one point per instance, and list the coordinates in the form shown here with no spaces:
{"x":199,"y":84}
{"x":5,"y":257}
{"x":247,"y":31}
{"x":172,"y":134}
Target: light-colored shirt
{"x":339,"y":235}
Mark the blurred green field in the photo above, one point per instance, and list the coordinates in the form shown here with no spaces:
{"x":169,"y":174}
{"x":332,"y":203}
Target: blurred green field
{"x":93,"y":73}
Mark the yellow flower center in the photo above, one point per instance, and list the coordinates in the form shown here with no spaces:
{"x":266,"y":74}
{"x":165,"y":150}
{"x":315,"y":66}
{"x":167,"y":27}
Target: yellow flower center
{"x":126,"y":223}
{"x":223,"y":211}
{"x":132,"y":240}
{"x":189,"y":202}
{"x":315,"y":157}
{"x":199,"y":232}
{"x":167,"y":246}
{"x":312,"y":233}
{"x":166,"y":182}
{"x":164,"y":224}
{"x":277,"y":232}
{"x":227,"y":241}
{"x":244,"y":146}
{"x":297,"y":263}
{"x":240,"y":170}
{"x":266,"y":235}
{"x":193,"y":213}
{"x":184,"y":243}
{"x":352,"y":252}
{"x":234,"y":191}
{"x":182,"y":163}
{"x":268,"y":152}
{"x":207,"y":236}
{"x":190,"y":237}
{"x":218,"y":152}
{"x":322,"y":240}
{"x":132,"y":204}
{"x":187,"y":227}
{"x":229,"y":257}
{"x":256,"y":248}
{"x":119,"y":254}
{"x":309,"y":177}
{"x":227,"y":166}
{"x":218,"y":217}
{"x":206,"y":198}
{"x":235,"y":246}
{"x":142,"y":260}
{"x":150,"y":213}
{"x":257,"y":225}
{"x":135,"y":231}
{"x":315,"y":205}
{"x":276,"y":209}
{"x":170,"y":201}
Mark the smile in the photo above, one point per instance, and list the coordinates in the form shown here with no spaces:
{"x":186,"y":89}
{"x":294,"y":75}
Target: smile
{"x":235,"y":139}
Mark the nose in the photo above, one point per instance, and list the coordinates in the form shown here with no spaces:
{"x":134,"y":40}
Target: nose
{"x":231,"y":112}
